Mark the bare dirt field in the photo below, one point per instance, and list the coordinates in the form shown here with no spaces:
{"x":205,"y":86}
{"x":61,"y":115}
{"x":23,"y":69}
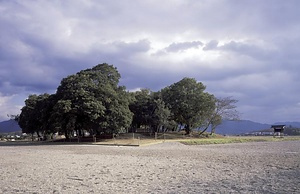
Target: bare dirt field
{"x":261,"y":167}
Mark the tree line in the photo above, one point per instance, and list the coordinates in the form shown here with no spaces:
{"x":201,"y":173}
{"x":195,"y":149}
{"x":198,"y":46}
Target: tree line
{"x":291,"y":130}
{"x":92,"y":100}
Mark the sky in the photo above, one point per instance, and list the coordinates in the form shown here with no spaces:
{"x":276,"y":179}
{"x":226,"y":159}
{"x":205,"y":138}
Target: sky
{"x":246,"y":49}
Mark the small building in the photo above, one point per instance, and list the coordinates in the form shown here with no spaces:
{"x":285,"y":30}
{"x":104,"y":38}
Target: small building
{"x":278,"y":130}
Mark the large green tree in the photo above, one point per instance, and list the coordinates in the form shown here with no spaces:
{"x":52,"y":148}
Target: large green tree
{"x":26,"y":119}
{"x":149,"y":110}
{"x":161,"y":117}
{"x":35,"y":114}
{"x":88,"y":100}
{"x":189,"y":104}
{"x":92,"y":100}
{"x":142,"y":108}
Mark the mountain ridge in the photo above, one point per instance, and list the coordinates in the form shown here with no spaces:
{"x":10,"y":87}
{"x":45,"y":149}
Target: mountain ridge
{"x":246,"y":126}
{"x":9,"y":126}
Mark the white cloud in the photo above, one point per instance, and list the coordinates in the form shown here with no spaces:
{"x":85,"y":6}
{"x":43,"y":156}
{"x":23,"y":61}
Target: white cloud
{"x":182,"y":46}
{"x":8,"y":107}
{"x":211,"y":45}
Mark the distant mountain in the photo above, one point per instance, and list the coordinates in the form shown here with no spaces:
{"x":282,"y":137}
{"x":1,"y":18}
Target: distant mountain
{"x":240,"y":127}
{"x":9,"y":126}
{"x":245,"y":126}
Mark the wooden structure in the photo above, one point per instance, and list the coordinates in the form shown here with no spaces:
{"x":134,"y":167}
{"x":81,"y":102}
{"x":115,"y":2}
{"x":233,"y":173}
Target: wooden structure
{"x":278,"y":130}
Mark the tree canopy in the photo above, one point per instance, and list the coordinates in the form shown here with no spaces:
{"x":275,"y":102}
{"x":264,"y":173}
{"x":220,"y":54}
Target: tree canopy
{"x":150,"y":110}
{"x":92,"y":100}
{"x":189,"y":104}
{"x":35,"y":113}
{"x":88,"y":100}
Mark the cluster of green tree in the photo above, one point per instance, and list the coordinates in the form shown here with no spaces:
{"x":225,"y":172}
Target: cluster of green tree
{"x":290,"y":130}
{"x":92,"y":100}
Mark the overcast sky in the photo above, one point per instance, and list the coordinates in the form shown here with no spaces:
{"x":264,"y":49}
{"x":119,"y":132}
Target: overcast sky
{"x":247,"y":49}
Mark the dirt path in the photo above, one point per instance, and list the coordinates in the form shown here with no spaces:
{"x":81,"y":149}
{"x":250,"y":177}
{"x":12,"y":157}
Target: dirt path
{"x":264,"y":167}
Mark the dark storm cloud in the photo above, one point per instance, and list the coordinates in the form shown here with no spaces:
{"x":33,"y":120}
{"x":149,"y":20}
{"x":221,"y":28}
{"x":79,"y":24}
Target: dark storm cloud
{"x":245,"y":49}
{"x":250,"y":48}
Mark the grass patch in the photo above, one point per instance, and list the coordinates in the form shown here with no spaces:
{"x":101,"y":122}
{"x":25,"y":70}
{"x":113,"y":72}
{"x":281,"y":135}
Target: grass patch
{"x":227,"y":140}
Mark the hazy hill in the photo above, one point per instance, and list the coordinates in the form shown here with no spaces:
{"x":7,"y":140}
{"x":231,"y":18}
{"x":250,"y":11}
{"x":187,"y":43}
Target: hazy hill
{"x":240,"y":127}
{"x":245,"y":126}
{"x":9,"y":126}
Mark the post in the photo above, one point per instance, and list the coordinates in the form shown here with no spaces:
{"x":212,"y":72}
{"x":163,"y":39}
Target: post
{"x":139,"y":141}
{"x":114,"y":139}
{"x":155,"y":135}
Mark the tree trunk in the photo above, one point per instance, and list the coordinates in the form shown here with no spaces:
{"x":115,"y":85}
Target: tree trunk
{"x":157,"y":129}
{"x":80,"y":133}
{"x":203,"y":130}
{"x":67,"y":135}
{"x":187,"y":129}
{"x":213,"y":130}
{"x":39,"y":136}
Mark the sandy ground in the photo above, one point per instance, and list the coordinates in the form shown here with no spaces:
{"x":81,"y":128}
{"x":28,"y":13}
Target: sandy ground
{"x":264,"y":167}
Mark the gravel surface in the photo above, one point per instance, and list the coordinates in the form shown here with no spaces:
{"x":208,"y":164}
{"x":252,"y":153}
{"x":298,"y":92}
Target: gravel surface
{"x":264,"y":167}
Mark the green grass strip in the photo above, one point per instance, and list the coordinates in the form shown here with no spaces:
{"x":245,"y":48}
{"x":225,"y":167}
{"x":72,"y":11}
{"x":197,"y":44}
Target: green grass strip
{"x":227,"y":140}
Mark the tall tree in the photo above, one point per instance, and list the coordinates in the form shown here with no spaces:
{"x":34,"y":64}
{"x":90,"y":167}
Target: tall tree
{"x":35,"y":113}
{"x":161,"y":116}
{"x":62,"y":118}
{"x":92,"y":100}
{"x":142,"y":108}
{"x":149,"y":110}
{"x":188,"y":102}
{"x":26,"y":119}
